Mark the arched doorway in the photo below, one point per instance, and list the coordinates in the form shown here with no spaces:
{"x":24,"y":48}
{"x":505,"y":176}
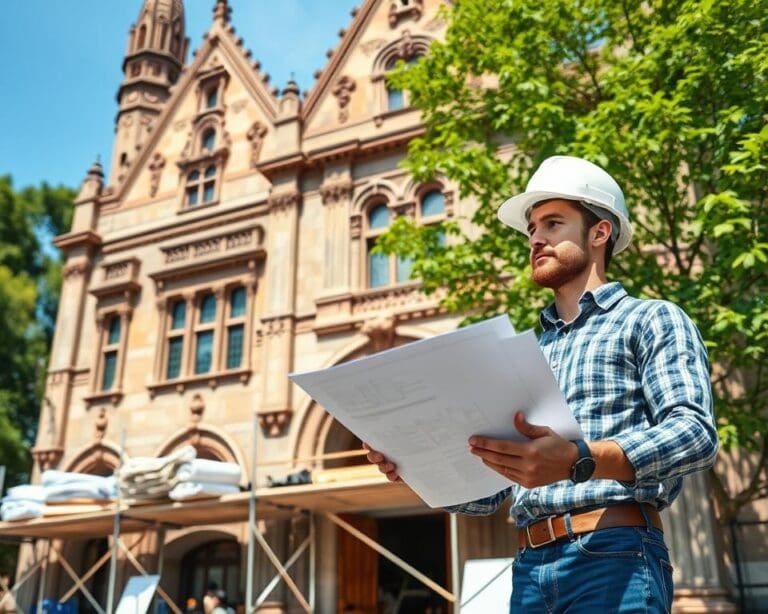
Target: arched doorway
{"x":213,"y":564}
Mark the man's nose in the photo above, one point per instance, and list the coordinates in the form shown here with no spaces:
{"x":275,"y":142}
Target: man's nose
{"x":536,"y":239}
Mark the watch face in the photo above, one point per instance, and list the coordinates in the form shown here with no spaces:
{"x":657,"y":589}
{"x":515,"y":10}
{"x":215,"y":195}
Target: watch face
{"x":583,"y":469}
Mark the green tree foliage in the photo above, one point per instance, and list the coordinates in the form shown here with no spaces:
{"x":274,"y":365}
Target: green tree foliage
{"x":30,"y":279}
{"x":672,"y":99}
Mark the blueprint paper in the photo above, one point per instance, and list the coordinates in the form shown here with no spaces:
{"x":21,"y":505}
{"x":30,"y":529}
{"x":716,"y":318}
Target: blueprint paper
{"x":419,"y":403}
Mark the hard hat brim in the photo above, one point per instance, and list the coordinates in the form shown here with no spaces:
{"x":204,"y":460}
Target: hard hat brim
{"x":513,"y":212}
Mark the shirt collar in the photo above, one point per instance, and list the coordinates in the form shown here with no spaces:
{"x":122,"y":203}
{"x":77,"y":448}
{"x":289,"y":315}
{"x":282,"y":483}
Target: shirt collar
{"x":604,"y":297}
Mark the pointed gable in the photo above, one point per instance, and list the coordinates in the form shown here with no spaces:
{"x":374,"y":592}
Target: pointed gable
{"x":351,"y":88}
{"x":220,"y":111}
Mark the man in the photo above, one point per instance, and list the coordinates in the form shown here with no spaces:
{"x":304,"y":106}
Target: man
{"x":215,"y":602}
{"x":635,"y":375}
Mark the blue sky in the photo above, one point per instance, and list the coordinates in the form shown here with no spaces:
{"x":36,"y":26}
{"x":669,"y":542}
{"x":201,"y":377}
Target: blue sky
{"x":62,"y":67}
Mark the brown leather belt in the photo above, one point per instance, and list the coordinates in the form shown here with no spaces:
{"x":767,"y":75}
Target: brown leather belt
{"x":553,"y":528}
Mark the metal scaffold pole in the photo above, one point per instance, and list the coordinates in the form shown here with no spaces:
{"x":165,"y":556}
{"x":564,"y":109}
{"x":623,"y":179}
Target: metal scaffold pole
{"x":251,"y":522}
{"x":115,"y":535}
{"x":455,"y":563}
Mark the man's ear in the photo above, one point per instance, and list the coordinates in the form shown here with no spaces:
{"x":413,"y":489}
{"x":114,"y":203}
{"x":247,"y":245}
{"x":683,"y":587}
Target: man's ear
{"x":601,"y":232}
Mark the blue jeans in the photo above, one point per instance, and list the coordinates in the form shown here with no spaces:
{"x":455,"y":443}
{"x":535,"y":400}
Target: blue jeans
{"x":624,"y":569}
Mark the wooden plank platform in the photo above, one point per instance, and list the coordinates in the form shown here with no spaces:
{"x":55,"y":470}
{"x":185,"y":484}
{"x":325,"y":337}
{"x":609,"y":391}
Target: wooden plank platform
{"x":359,"y":495}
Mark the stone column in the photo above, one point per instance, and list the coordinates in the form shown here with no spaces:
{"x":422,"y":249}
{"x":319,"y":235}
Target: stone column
{"x":278,"y":320}
{"x":693,"y":539}
{"x":336,"y":200}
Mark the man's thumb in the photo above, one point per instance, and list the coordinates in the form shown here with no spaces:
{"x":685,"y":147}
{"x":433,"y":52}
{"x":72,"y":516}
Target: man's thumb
{"x":532,"y":431}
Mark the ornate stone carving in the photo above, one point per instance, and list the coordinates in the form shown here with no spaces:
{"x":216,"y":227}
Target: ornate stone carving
{"x":116,"y":270}
{"x":381,"y":331}
{"x":405,"y":9}
{"x":256,"y":138}
{"x":343,"y":92}
{"x":196,"y":409}
{"x":406,"y":47}
{"x":47,"y":458}
{"x":212,"y":245}
{"x":100,"y":424}
{"x":355,"y":226}
{"x":77,"y":268}
{"x":275,"y":423}
{"x":156,"y":170}
{"x":406,"y":210}
{"x":281,"y":203}
{"x":336,"y":192}
{"x":275,"y":327}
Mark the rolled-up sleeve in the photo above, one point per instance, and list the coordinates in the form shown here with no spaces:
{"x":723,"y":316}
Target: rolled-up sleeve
{"x":674,"y":372}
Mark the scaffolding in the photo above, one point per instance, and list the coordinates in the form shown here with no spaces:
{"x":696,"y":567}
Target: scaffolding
{"x":316,"y":500}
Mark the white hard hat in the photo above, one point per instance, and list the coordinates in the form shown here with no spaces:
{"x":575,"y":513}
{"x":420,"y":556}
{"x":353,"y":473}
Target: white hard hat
{"x":571,"y":178}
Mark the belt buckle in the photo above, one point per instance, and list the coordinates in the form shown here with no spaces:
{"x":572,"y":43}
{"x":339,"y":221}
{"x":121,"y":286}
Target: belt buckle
{"x":550,"y":530}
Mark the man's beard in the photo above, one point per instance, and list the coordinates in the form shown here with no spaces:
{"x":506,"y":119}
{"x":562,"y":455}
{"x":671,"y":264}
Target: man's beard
{"x":561,"y":268}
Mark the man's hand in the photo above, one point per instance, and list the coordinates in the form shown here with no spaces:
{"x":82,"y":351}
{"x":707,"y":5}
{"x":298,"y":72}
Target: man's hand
{"x":544,"y":459}
{"x":385,"y":466}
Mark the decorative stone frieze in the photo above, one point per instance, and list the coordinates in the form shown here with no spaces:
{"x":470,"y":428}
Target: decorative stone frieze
{"x":282,"y":203}
{"x":219,"y":244}
{"x":333,"y":193}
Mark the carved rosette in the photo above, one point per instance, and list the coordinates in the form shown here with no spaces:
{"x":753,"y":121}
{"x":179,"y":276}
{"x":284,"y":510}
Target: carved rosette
{"x":275,"y":423}
{"x":256,"y":138}
{"x":343,"y":92}
{"x":333,"y":193}
{"x":156,"y":170}
{"x":47,"y":458}
{"x":282,"y":203}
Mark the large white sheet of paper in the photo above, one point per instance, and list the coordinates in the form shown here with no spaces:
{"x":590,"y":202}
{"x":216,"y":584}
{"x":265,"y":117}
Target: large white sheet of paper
{"x":419,"y":404}
{"x":137,"y":594}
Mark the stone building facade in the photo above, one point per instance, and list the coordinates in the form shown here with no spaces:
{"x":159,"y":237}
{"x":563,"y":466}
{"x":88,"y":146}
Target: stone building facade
{"x":231,"y":246}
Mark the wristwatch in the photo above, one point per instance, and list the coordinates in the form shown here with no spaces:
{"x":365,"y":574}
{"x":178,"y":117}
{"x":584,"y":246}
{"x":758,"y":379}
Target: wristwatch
{"x":584,"y":466}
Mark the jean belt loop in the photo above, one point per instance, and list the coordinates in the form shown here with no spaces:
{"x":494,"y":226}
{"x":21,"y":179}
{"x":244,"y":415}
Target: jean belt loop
{"x":568,"y":527}
{"x":644,"y":512}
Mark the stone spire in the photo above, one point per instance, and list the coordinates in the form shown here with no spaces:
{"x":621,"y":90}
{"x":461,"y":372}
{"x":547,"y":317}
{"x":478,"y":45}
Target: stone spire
{"x":157,"y":48}
{"x":222,"y":12}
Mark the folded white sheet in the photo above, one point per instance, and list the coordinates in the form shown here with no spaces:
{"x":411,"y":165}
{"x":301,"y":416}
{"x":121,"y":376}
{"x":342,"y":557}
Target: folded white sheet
{"x":20,"y":509}
{"x":184,"y":491}
{"x":53,"y":477}
{"x":148,"y":464}
{"x":28,"y":492}
{"x":105,"y":489}
{"x":204,"y":470}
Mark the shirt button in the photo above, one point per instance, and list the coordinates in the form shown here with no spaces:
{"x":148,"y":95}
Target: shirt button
{"x":554,"y":365}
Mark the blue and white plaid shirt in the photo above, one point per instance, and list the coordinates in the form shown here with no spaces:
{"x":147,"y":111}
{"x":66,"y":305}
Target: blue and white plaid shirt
{"x":635,"y":372}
